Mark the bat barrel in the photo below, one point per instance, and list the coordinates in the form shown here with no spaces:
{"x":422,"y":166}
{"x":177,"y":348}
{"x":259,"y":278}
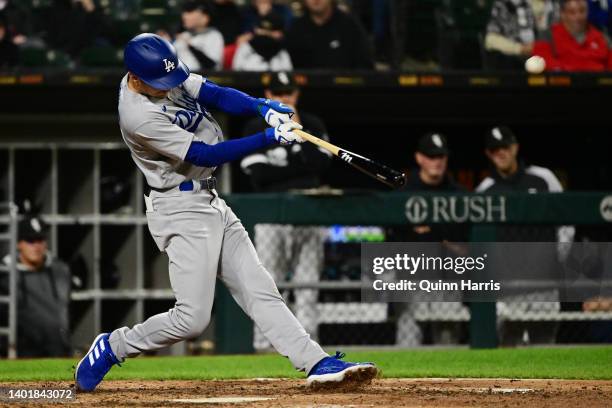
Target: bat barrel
{"x":385,"y":174}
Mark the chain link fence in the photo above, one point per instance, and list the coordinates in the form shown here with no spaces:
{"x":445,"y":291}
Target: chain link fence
{"x":317,"y":269}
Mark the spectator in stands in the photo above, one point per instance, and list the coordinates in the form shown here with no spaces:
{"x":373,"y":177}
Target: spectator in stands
{"x":263,"y":49}
{"x":513,"y":28}
{"x":381,"y":28}
{"x":287,"y":248}
{"x":9,"y":52}
{"x":200,"y":46}
{"x":17,"y":21}
{"x":327,"y":38}
{"x":228,"y":20}
{"x":258,"y":8}
{"x":73,"y":25}
{"x":574,"y":44}
{"x":431,"y":175}
{"x":600,"y":16}
{"x":43,"y":294}
{"x":377,"y":15}
{"x":512,"y":174}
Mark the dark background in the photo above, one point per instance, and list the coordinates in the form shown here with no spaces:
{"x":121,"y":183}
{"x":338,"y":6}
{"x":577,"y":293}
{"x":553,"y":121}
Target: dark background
{"x":565,"y":128}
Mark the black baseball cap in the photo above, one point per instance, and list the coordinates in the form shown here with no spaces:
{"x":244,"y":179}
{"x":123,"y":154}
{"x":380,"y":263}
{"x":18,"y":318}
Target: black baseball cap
{"x":192,"y":5}
{"x":32,"y":229}
{"x":281,"y":82}
{"x":433,"y":144}
{"x":499,"y":136}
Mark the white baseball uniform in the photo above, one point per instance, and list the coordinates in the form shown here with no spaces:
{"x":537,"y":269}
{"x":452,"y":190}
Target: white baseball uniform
{"x":201,"y":235}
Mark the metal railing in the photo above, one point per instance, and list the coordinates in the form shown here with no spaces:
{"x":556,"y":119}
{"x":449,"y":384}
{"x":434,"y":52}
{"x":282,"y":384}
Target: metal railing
{"x":487,"y":215}
{"x":10,"y":298}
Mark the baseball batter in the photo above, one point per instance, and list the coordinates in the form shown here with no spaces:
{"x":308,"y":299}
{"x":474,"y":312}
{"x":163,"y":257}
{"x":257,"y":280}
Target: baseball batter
{"x":177,"y":144}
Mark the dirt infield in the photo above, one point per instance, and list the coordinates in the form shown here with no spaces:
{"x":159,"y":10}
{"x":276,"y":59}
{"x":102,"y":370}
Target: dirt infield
{"x":394,"y":393}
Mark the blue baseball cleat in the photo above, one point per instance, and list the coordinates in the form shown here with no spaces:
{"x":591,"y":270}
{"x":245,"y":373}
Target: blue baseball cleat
{"x":334,"y":370}
{"x":97,"y":362}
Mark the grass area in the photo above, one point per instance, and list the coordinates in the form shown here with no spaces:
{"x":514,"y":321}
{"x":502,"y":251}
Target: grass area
{"x":566,"y":362}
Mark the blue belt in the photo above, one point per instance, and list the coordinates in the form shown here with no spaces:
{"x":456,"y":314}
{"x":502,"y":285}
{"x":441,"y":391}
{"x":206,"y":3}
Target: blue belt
{"x":206,"y":184}
{"x":188,"y":185}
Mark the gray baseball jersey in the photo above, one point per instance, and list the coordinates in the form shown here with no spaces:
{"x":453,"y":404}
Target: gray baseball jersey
{"x":159,"y":131}
{"x":201,"y":235}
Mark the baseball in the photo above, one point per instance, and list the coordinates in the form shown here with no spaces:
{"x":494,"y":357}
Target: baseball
{"x":535,"y":65}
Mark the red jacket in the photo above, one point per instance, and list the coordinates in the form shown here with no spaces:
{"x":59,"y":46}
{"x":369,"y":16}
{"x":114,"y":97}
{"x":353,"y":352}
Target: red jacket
{"x":563,"y":53}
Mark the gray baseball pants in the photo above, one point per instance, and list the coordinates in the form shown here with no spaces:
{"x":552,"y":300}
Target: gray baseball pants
{"x":299,"y":249}
{"x":204,"y":240}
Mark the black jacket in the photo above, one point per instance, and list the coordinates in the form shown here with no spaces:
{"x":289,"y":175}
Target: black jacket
{"x":414,"y":183}
{"x":531,"y":179}
{"x":9,"y":53}
{"x":280,"y":168}
{"x":43,"y":299}
{"x":437,"y":232}
{"x":227,"y":19}
{"x":340,"y":43}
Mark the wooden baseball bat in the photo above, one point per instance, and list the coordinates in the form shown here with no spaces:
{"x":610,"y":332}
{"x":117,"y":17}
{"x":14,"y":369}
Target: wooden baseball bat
{"x":380,"y":172}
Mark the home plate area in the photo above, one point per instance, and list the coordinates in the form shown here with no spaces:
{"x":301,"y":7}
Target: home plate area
{"x":438,"y":392}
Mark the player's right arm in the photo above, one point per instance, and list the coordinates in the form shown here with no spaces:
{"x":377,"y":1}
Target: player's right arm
{"x":174,"y":142}
{"x":236,"y":102}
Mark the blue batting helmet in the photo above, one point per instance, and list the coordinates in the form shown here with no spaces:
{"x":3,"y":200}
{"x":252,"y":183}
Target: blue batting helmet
{"x":154,"y":61}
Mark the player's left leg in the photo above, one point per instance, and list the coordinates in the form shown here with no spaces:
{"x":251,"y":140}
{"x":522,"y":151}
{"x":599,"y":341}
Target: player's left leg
{"x":308,"y":253}
{"x":256,"y":293}
{"x":271,"y":241}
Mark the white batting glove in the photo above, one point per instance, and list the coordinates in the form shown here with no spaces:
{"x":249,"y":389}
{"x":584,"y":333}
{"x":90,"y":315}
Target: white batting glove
{"x":283,"y":133}
{"x":273,"y":112}
{"x":275,"y":118}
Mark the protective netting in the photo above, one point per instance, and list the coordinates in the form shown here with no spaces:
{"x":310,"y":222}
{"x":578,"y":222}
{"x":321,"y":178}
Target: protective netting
{"x":317,"y":269}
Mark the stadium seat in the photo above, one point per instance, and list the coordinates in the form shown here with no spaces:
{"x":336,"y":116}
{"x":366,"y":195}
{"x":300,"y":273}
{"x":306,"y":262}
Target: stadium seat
{"x":154,"y":22}
{"x":40,"y":57}
{"x":101,"y":57}
{"x":228,"y":56}
{"x":124,"y":30}
{"x":470,"y":14}
{"x":151,"y":8}
{"x":38,"y":3}
{"x":59,"y":59}
{"x":159,"y":14}
{"x":459,"y":26}
{"x":420,"y":28}
{"x":33,"y":57}
{"x":164,"y":4}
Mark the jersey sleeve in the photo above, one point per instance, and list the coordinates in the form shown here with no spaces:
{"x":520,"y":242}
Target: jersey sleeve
{"x":485,"y":185}
{"x":192,"y":85}
{"x":165,"y":138}
{"x":553,"y":183}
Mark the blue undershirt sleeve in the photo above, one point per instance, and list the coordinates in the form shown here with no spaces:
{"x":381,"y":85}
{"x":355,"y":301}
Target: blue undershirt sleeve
{"x":205,"y":155}
{"x":229,"y":100}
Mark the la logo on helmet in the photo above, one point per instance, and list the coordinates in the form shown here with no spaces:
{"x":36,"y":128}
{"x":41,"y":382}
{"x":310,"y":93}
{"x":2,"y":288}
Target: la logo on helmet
{"x":169,"y":65}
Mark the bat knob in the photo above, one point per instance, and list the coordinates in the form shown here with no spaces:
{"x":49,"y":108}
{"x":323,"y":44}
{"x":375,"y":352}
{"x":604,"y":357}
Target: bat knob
{"x":399,"y":180}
